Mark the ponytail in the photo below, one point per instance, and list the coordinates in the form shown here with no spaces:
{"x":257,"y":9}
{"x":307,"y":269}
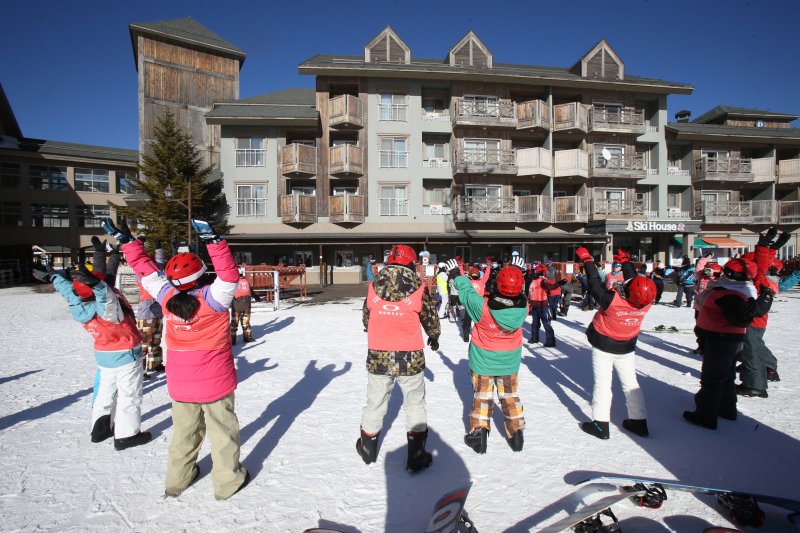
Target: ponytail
{"x":183,"y":305}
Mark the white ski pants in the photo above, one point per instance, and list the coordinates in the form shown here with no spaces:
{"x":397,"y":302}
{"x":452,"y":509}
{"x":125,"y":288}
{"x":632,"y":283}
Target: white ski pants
{"x":118,"y":393}
{"x":603,"y":363}
{"x":379,"y":389}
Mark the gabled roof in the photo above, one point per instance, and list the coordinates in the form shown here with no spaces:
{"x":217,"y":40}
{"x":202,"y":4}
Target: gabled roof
{"x":8,"y":122}
{"x":86,"y":151}
{"x":691,"y":130}
{"x":723,"y":110}
{"x":390,"y":38}
{"x":187,"y":31}
{"x":297,"y":106}
{"x":602,"y":47}
{"x":471,"y":40}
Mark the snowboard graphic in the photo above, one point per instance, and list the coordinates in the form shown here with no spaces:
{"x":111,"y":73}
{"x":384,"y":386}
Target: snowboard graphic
{"x":448,"y":513}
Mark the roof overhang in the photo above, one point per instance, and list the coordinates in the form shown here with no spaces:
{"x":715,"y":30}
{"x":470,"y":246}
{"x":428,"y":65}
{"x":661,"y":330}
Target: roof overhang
{"x":744,"y":134}
{"x":136,"y":30}
{"x":259,"y":121}
{"x":272,"y":239}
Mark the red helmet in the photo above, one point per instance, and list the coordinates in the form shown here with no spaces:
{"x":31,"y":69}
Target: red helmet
{"x":739,"y":269}
{"x":400,"y":254}
{"x":474,"y":273}
{"x":540,"y":269}
{"x":641,"y":291}
{"x":715,"y":268}
{"x":183,"y":270}
{"x":82,"y":290}
{"x":510,"y":281}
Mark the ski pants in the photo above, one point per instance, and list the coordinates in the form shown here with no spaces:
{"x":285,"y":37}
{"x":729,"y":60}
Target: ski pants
{"x":442,"y":305}
{"x":240,"y":314}
{"x":717,"y":392}
{"x":190,"y":422}
{"x":118,"y":393}
{"x":540,"y":313}
{"x":483,"y":402}
{"x":756,"y":357}
{"x":552,"y":302}
{"x":151,"y":341}
{"x":603,"y":364}
{"x":659,"y":287}
{"x":379,"y":389}
{"x":688,"y":291}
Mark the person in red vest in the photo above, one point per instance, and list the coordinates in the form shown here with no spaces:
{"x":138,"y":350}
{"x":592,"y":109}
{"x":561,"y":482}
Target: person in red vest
{"x":553,"y":299}
{"x":726,"y":312}
{"x":149,"y":319}
{"x":538,"y":294}
{"x":615,"y":275}
{"x":397,"y":304}
{"x":240,"y":309}
{"x":613,"y":333}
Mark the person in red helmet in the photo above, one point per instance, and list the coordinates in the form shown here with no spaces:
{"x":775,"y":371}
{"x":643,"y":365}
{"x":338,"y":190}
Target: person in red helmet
{"x":478,"y":281}
{"x":613,"y":334}
{"x":201,"y":375}
{"x":727,"y":310}
{"x":539,"y":289}
{"x":495,"y":351}
{"x":397,"y":304}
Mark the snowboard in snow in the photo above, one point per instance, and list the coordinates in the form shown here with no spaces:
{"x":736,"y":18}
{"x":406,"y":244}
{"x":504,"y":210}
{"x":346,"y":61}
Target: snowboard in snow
{"x":668,"y":329}
{"x":589,"y":518}
{"x":448,"y":514}
{"x":742,"y":506}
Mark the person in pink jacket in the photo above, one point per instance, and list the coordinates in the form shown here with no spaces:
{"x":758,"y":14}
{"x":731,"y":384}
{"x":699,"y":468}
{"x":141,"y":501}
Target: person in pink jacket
{"x":201,"y":376}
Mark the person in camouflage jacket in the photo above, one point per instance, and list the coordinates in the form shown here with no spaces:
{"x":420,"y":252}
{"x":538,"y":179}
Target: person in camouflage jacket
{"x":397,"y":304}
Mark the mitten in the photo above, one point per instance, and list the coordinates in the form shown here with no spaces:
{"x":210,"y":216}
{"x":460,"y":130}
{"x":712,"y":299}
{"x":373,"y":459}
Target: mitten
{"x":583,"y":255}
{"x":98,"y":245}
{"x":46,"y":274}
{"x":518,"y":262}
{"x":781,"y":241}
{"x":205,"y":232}
{"x":433,"y":343}
{"x":766,"y":238}
{"x":121,"y":234}
{"x":622,"y":256}
{"x":452,"y":268}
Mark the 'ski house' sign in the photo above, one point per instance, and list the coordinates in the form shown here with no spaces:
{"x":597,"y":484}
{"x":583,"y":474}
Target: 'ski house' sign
{"x":649,"y":225}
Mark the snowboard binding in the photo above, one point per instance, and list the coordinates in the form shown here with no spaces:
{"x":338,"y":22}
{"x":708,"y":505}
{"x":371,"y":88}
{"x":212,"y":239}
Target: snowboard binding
{"x":595,"y":524}
{"x":654,"y":495}
{"x":744,"y":509}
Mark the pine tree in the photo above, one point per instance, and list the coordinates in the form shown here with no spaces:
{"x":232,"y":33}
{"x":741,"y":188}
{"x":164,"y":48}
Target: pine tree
{"x":175,"y":162}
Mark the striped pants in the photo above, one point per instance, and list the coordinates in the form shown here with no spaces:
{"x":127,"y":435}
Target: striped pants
{"x":151,"y":342}
{"x":483,"y":402}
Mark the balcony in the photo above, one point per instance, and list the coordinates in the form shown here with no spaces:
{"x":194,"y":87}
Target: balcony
{"x":571,"y":163}
{"x":764,"y":170}
{"x":346,"y":208}
{"x":572,"y":116}
{"x":476,"y":161}
{"x":346,"y":112}
{"x":298,"y":209}
{"x":618,"y":166}
{"x":676,"y":171}
{"x":621,"y":120}
{"x":436,"y":209}
{"x":502,"y":209}
{"x":440,"y":115}
{"x":789,"y":171}
{"x":533,"y":115}
{"x":435,"y":162}
{"x":732,"y":169}
{"x":603,"y":208}
{"x":483,"y":113}
{"x":750,"y":212}
{"x":534,"y":162}
{"x":789,"y":212}
{"x":346,"y":160}
{"x":298,"y":160}
{"x":571,"y":209}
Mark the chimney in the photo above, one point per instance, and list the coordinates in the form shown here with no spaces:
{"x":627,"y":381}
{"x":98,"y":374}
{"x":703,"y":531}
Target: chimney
{"x":683,"y":115}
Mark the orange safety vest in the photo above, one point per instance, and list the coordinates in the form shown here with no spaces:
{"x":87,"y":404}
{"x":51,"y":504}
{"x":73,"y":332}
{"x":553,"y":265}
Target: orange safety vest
{"x":394,"y":326}
{"x":488,"y":335}
{"x":620,"y":321}
{"x":613,"y":278}
{"x":242,"y":289}
{"x":206,"y":330}
{"x":711,"y":317}
{"x":479,"y":285}
{"x":535,"y":291}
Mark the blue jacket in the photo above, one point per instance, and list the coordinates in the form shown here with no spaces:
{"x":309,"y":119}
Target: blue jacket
{"x":789,"y":281}
{"x":686,"y":276}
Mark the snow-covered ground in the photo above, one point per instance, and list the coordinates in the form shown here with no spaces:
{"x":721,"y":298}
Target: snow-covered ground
{"x":302,"y":386}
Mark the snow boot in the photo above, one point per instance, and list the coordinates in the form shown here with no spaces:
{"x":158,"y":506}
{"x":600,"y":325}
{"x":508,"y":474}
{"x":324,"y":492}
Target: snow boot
{"x":516,"y":441}
{"x":741,"y":390}
{"x":697,"y":420}
{"x":233,"y":341}
{"x":637,"y":426}
{"x":249,"y":338}
{"x":102,"y":429}
{"x":477,"y":439}
{"x":597,"y":429}
{"x":175,"y":493}
{"x":533,"y":341}
{"x":143,"y":437}
{"x":418,"y":458}
{"x":550,"y":344}
{"x":772,"y":375}
{"x":367,"y":447}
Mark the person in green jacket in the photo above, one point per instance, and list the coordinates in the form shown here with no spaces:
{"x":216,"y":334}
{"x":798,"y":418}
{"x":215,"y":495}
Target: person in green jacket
{"x":495,"y":351}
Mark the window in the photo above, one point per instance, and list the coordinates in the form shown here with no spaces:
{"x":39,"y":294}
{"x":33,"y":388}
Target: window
{"x":303,"y":257}
{"x":715,"y":196}
{"x":481,"y":106}
{"x":674,"y":200}
{"x":9,"y":175}
{"x":643,"y":198}
{"x":91,"y":180}
{"x":393,"y":152}
{"x":340,"y":191}
{"x":52,"y":178}
{"x":433,"y":105}
{"x":307,"y":190}
{"x":610,"y":194}
{"x":91,"y":216}
{"x":251,"y":200}
{"x":436,"y":150}
{"x":394,"y":200}
{"x":521,"y":192}
{"x":489,"y":191}
{"x":715,"y":155}
{"x":49,"y":216}
{"x":11,"y":214}
{"x":125,"y":182}
{"x":344,"y":258}
{"x":559,"y":194}
{"x":392,"y":107}
{"x":436,"y":196}
{"x":609,"y":156}
{"x":481,"y":151}
{"x":607,"y":112}
{"x":341,"y":142}
{"x":250,"y":152}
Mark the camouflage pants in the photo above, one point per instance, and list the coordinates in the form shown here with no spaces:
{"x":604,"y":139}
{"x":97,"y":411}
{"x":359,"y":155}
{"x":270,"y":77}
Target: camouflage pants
{"x":151,"y":342}
{"x":483,"y":402}
{"x":243,"y":317}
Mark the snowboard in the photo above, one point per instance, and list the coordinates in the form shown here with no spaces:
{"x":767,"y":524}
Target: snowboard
{"x":668,"y":329}
{"x":589,"y":517}
{"x":448,"y":514}
{"x":742,"y":506}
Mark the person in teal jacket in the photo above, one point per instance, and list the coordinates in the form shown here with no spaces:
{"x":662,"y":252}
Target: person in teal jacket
{"x":495,"y":351}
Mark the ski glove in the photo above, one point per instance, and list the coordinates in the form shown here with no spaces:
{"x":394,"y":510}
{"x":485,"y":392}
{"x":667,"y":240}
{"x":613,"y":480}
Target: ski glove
{"x":518,"y":262}
{"x":766,"y":238}
{"x":622,"y":256}
{"x":452,"y":268}
{"x":433,"y":343}
{"x":98,"y":245}
{"x":583,"y":255}
{"x":122,"y":234}
{"x":781,"y":241}
{"x":110,"y":248}
{"x":205,"y":231}
{"x":83,"y":275}
{"x":766,"y":292}
{"x":46,"y":274}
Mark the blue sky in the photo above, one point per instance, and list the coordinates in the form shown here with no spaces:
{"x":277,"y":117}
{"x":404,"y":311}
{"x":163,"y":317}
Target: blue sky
{"x":68,"y":67}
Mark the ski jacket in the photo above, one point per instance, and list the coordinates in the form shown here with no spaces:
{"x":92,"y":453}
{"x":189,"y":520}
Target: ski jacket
{"x":729,"y":308}
{"x":496,"y":345}
{"x":395,"y":325}
{"x":605,"y":298}
{"x":393,"y":284}
{"x":200,"y":366}
{"x":109,"y":319}
{"x":617,"y":325}
{"x":772,"y":283}
{"x":765,"y":256}
{"x":243,"y":289}
{"x":686,"y":276}
{"x":441,"y":283}
{"x":789,"y":281}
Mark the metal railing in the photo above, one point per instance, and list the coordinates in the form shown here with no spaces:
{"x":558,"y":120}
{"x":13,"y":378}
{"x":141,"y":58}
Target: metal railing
{"x":435,"y":163}
{"x":250,"y":158}
{"x":393,"y":207}
{"x":251,"y":207}
{"x":502,"y":160}
{"x":393,"y":158}
{"x":393,"y":112}
{"x":605,"y":206}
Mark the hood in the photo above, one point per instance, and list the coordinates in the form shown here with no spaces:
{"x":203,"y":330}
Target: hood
{"x":395,"y":282}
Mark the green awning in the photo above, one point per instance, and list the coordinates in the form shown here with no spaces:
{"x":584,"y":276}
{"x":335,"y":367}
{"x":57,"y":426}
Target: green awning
{"x":698,"y":242}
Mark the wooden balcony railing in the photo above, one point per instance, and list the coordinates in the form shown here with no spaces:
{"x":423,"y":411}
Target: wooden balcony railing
{"x":748,"y":212}
{"x":346,"y":160}
{"x":789,"y":171}
{"x":534,"y":208}
{"x":298,"y":160}
{"x":619,"y":166}
{"x":571,"y":163}
{"x":571,"y":209}
{"x":531,"y":208}
{"x":500,"y":112}
{"x":534,"y":162}
{"x":604,"y":208}
{"x":789,"y":212}
{"x":470,"y":160}
{"x":346,"y":208}
{"x":298,"y":209}
{"x":534,"y":114}
{"x":626,"y":119}
{"x":345,"y":111}
{"x":731,"y":169}
{"x":764,"y":170}
{"x":571,"y":116}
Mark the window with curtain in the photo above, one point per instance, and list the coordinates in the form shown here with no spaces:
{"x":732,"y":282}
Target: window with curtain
{"x":393,"y":152}
{"x":393,"y":200}
{"x":392,"y":107}
{"x":251,"y":152}
{"x":251,"y":200}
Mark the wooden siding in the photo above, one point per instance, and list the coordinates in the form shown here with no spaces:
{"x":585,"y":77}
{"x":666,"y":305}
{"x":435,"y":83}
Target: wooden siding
{"x":298,"y":159}
{"x":161,"y":51}
{"x":347,"y":208}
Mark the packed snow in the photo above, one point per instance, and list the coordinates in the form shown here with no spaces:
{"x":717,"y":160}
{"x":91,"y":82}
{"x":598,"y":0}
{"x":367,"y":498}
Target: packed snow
{"x":301,"y":389}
